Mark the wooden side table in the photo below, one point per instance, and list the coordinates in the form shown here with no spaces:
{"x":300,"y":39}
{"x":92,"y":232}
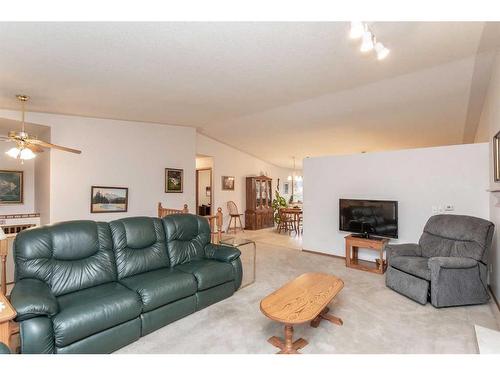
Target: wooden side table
{"x":7,"y":314}
{"x":352,"y":245}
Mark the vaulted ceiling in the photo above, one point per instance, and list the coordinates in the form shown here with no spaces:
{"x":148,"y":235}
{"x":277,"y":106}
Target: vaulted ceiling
{"x":274,"y":90}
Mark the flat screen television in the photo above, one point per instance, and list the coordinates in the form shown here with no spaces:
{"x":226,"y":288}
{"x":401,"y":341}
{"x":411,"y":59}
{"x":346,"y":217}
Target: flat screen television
{"x":369,"y":217}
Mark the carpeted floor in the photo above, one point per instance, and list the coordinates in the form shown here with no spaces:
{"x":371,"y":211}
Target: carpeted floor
{"x":376,"y":319}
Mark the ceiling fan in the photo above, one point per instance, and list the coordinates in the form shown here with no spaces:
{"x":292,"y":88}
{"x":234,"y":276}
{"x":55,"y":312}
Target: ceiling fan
{"x":27,"y":147}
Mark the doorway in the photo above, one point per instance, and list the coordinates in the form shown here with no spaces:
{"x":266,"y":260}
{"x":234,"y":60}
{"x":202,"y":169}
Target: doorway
{"x":204,"y":191}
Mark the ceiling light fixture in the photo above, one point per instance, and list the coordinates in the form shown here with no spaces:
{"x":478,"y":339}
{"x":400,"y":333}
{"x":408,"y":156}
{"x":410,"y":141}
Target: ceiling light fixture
{"x":368,"y":40}
{"x":381,"y":51}
{"x":21,"y":151}
{"x":357,"y":30}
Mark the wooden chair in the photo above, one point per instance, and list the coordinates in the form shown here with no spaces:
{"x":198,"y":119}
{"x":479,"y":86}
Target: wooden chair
{"x":162,"y":211}
{"x":233,"y":213}
{"x":286,"y":221}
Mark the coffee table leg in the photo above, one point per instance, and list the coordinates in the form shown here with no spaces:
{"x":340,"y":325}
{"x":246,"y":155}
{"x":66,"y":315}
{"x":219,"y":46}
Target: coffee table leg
{"x":324,"y":315}
{"x":288,"y":346}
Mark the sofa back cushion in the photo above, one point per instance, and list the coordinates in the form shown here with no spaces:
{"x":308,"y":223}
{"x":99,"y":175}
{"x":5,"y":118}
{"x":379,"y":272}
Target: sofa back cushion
{"x":139,"y":245}
{"x":186,"y":236}
{"x":457,"y":235}
{"x":68,"y":256}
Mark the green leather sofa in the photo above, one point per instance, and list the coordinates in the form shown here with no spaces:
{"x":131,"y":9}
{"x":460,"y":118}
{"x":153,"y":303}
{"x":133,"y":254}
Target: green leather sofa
{"x":94,"y":287}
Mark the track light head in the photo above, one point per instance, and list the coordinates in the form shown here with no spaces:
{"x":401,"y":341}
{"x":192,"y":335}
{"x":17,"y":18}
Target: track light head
{"x":381,"y":51}
{"x":357,"y":29}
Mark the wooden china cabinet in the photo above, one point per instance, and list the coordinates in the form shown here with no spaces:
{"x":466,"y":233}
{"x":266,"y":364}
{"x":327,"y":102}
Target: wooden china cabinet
{"x":259,"y":211}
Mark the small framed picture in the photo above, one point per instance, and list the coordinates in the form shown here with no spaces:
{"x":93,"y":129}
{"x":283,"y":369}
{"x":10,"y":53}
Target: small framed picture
{"x":496,"y":157}
{"x":174,"y":180}
{"x":227,"y":182}
{"x":11,"y":187}
{"x":108,"y":199}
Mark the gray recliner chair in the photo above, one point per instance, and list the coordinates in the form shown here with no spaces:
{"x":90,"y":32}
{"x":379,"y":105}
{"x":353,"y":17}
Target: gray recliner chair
{"x":449,"y":264}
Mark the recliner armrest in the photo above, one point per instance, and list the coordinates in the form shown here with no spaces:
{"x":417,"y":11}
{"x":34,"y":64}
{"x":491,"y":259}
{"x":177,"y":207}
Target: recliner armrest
{"x":451,"y":262}
{"x":31,"y":298}
{"x":405,"y":249}
{"x":4,"y":349}
{"x":222,"y":253}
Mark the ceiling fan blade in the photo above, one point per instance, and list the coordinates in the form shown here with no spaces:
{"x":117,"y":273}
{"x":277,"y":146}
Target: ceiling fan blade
{"x":50,"y":145}
{"x":34,"y":148}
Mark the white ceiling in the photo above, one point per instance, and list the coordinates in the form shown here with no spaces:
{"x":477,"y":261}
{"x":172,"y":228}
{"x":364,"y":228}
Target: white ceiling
{"x":270,"y":89}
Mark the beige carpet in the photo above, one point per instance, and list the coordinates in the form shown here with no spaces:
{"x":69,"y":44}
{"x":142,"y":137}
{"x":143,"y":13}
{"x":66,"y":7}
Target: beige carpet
{"x":376,"y":319}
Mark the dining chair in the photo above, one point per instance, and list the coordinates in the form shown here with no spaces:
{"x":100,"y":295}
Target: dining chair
{"x":286,"y":221}
{"x":234,"y":215}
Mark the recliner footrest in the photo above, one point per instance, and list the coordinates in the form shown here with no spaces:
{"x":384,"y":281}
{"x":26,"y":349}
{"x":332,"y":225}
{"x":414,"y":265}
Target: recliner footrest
{"x":408,"y":285}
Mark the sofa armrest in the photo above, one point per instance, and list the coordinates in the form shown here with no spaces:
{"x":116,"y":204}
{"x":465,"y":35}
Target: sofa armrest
{"x":405,"y":249}
{"x":32,"y":298}
{"x":222,"y":253}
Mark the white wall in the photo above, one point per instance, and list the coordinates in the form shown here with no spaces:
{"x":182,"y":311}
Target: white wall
{"x":418,"y":179}
{"x":228,"y":161}
{"x":115,"y":153}
{"x":489,"y":125}
{"x":8,"y":163}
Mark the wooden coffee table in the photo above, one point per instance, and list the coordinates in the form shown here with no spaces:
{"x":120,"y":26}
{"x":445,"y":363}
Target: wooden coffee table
{"x":302,"y":300}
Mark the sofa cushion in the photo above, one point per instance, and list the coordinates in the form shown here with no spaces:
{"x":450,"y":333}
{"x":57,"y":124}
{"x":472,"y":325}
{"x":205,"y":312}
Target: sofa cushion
{"x":160,"y":287}
{"x":93,"y":310}
{"x":186,"y":237}
{"x":208,"y":273}
{"x":139,"y":245}
{"x":417,"y":266}
{"x":67,"y":256}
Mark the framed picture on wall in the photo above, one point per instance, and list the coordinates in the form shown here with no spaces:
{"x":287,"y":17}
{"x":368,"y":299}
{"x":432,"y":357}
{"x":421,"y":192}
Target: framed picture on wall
{"x":174,"y":180}
{"x":108,"y":199}
{"x":496,"y":156}
{"x":11,"y":187}
{"x":227,"y":182}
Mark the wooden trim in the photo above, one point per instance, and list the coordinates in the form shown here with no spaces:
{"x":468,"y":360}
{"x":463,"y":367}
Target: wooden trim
{"x":325,"y":254}
{"x":162,"y":211}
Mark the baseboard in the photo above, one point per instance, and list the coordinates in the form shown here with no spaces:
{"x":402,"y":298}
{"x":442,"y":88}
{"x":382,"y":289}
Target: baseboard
{"x":324,"y":254}
{"x":494,"y":297}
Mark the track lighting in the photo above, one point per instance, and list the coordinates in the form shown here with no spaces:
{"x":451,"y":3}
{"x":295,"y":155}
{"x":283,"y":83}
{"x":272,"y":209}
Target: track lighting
{"x":381,"y":51}
{"x":357,"y":30}
{"x":368,"y":40}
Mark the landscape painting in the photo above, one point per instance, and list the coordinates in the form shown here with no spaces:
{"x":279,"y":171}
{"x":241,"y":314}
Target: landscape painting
{"x":11,"y":187}
{"x":174,"y":180}
{"x":108,"y":199}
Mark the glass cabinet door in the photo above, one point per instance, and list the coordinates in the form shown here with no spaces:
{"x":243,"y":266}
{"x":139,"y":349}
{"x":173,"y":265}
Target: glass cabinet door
{"x":257,"y":193}
{"x":263,"y":188}
{"x":271,"y":193}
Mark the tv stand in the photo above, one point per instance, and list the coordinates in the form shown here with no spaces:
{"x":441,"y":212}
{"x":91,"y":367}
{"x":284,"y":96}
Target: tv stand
{"x":352,"y":245}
